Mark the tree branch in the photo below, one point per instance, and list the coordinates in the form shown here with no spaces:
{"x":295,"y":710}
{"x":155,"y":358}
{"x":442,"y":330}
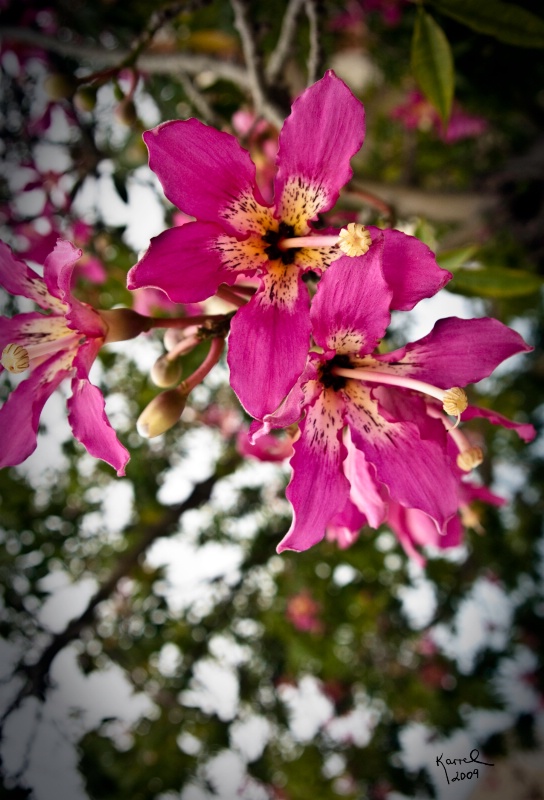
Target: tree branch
{"x":37,"y":674}
{"x":285,"y":40}
{"x":253,"y":60}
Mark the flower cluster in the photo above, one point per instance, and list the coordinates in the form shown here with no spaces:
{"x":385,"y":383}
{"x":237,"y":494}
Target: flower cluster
{"x":374,"y":435}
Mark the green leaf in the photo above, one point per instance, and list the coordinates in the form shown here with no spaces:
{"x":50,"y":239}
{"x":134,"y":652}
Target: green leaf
{"x":505,"y":21}
{"x":432,"y":63}
{"x":453,"y":259}
{"x":496,"y":282}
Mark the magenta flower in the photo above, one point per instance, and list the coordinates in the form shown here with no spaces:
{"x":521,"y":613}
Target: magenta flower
{"x":417,"y":113}
{"x":59,"y":344}
{"x":392,"y":405}
{"x":207,"y":174}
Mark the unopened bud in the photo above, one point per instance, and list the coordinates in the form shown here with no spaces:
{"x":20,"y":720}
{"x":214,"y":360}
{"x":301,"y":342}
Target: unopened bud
{"x":126,"y":113}
{"x":161,"y":414}
{"x":470,"y":458}
{"x":123,"y":323}
{"x":15,"y":358}
{"x":166,"y":373}
{"x":59,"y":86}
{"x":85,"y":98}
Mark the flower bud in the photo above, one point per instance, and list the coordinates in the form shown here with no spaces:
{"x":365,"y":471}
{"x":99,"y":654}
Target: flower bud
{"x":161,"y":414}
{"x":166,"y":373}
{"x":126,"y":113}
{"x":59,"y":86}
{"x":123,"y":323}
{"x":85,"y":98}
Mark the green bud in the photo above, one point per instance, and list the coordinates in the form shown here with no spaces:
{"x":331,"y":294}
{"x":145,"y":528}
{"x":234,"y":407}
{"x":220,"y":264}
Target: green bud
{"x":85,"y":98}
{"x":123,"y":324}
{"x":161,"y":414}
{"x":59,"y":86}
{"x":166,"y":373}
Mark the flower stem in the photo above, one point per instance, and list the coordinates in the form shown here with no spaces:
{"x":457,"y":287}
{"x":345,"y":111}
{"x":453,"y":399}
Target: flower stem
{"x":210,"y":361}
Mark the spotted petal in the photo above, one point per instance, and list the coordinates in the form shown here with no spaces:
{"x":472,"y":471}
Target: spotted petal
{"x":318,"y":489}
{"x":269,"y":341}
{"x":406,"y":447}
{"x":18,"y":279}
{"x":456,"y":352}
{"x":325,"y":129}
{"x":187,"y":263}
{"x":350,"y":312}
{"x":207,"y":174}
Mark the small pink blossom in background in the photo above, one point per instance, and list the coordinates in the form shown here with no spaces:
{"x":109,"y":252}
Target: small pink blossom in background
{"x":266,"y":448}
{"x":417,"y":113}
{"x":261,"y":140}
{"x":227,"y":420}
{"x":303,"y":612}
{"x":354,"y":15}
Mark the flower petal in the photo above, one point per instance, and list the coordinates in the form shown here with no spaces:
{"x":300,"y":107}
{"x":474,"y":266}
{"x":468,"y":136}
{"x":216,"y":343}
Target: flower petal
{"x":350,"y":311}
{"x":318,"y":489}
{"x":456,"y":352}
{"x":305,"y":390}
{"x":186,"y":263}
{"x":344,"y":527}
{"x":269,"y":341}
{"x":18,"y":279}
{"x":31,"y":328}
{"x":410,"y":268}
{"x":87,"y":416}
{"x":207,"y":174}
{"x":58,"y":269}
{"x":325,"y":129}
{"x":368,"y":494}
{"x":406,"y":447}
{"x":20,"y":414}
{"x":523,"y":429}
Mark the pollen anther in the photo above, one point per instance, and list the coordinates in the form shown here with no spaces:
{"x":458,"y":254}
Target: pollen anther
{"x":15,"y":358}
{"x":454,"y":402}
{"x":469,"y":459}
{"x":354,"y":240}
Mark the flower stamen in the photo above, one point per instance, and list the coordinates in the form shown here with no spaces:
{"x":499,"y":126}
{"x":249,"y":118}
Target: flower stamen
{"x":468,"y":459}
{"x":354,"y":240}
{"x":15,"y":358}
{"x":454,"y":401}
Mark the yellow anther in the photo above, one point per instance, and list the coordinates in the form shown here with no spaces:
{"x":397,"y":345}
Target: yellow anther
{"x":469,"y":459}
{"x":454,"y":402}
{"x":355,"y":240}
{"x":15,"y":358}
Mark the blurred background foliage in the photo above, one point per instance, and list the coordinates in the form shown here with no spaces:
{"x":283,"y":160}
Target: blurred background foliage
{"x":154,"y":645}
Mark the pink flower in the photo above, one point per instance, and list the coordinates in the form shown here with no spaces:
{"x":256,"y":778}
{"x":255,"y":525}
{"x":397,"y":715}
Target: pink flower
{"x":60,"y":344}
{"x":302,"y":611}
{"x":390,"y":404}
{"x":417,"y":113}
{"x":267,"y":448}
{"x":208,"y":175}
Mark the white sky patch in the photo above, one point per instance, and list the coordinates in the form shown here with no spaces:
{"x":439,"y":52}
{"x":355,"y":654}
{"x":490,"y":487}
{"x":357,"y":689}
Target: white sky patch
{"x":190,"y":569}
{"x":40,"y":467}
{"x":202,"y":448}
{"x":66,"y":601}
{"x":419,"y":598}
{"x":514,"y":682}
{"x":307,"y":706}
{"x":213,"y":689}
{"x":250,"y":736}
{"x":41,"y":740}
{"x":483,"y":621}
{"x":420,"y":321}
{"x":355,"y":727}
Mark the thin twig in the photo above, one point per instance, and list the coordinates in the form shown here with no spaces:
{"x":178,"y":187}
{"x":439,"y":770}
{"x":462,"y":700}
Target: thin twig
{"x":257,"y":85}
{"x":285,"y":41}
{"x":198,"y":100}
{"x":315,"y":54}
